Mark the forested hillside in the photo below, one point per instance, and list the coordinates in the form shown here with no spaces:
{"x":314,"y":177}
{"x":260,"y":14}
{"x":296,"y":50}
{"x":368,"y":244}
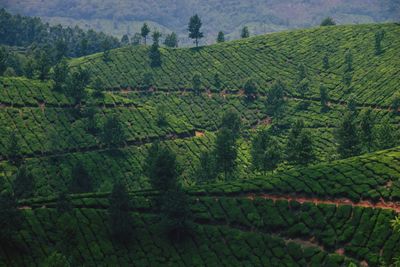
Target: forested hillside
{"x":280,"y":149}
{"x":228,"y":16}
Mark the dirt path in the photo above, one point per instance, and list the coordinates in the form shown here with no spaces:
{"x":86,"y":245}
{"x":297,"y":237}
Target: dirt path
{"x":382,"y":204}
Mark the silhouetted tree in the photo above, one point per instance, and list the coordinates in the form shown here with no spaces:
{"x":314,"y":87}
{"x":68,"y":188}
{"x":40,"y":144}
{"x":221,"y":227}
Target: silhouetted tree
{"x":113,"y":134}
{"x":154,"y":52}
{"x":299,"y":147}
{"x":226,"y":151}
{"x":10,"y":219}
{"x":245,"y":32}
{"x":23,"y":184}
{"x":171,"y":40}
{"x":379,"y":35}
{"x":328,"y":21}
{"x":207,"y":167}
{"x":13,"y":148}
{"x":77,"y":82}
{"x":323,"y":93}
{"x":196,"y":83}
{"x":63,"y":204}
{"x":120,"y":220}
{"x":275,"y":98}
{"x":221,"y":37}
{"x":81,"y":180}
{"x":217,"y":81}
{"x":194,"y":29}
{"x":347,"y":136}
{"x":60,"y":75}
{"x":367,"y":129}
{"x":148,"y":80}
{"x":325,"y":62}
{"x":250,"y":88}
{"x":231,"y":120}
{"x":144,"y":32}
{"x":348,"y":60}
{"x":125,"y":39}
{"x":43,"y":64}
{"x":265,"y":151}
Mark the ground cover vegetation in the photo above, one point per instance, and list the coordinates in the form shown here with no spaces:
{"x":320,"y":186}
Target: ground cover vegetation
{"x":297,"y":154}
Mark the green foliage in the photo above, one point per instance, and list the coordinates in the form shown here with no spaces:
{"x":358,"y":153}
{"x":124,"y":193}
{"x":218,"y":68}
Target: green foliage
{"x":171,"y":40}
{"x":386,"y":136}
{"x":324,"y":96}
{"x":76,"y":84}
{"x":10,"y":219}
{"x":154,"y":52}
{"x":125,"y":39}
{"x":217,"y":81}
{"x":194,"y":29}
{"x":348,"y":61}
{"x":24,"y":184}
{"x":196,"y":83}
{"x":395,"y":105}
{"x":221,"y":37}
{"x":120,"y":220}
{"x":175,"y":211}
{"x":63,"y":204}
{"x":43,"y":64}
{"x":250,"y":88}
{"x":325,"y":62}
{"x":13,"y":148}
{"x":206,"y":170}
{"x":367,"y":130}
{"x":379,"y":35}
{"x":60,"y":75}
{"x":161,"y":168}
{"x":266,"y":151}
{"x":347,"y":136}
{"x":113,"y":133}
{"x":148,"y":80}
{"x":144,"y":32}
{"x":245,"y":32}
{"x":328,"y":21}
{"x":275,"y":98}
{"x":81,"y":180}
{"x":56,"y":259}
{"x":231,"y":120}
{"x":162,"y":116}
{"x":226,"y":151}
{"x":299,"y":147}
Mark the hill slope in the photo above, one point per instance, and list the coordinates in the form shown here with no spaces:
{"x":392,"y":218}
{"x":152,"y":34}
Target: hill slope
{"x":314,"y":217}
{"x":262,"y":16}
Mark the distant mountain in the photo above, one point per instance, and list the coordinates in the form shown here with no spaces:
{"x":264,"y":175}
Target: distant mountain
{"x":126,"y":16}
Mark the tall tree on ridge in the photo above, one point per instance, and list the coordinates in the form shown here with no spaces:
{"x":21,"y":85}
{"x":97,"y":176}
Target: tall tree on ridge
{"x":144,"y":32}
{"x":194,"y":29}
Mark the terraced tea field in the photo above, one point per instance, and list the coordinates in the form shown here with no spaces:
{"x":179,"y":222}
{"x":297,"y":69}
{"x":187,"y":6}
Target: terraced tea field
{"x":330,"y":213}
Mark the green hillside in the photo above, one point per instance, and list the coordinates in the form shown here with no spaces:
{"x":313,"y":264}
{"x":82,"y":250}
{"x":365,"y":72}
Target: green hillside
{"x":326,"y":212}
{"x":242,"y":222}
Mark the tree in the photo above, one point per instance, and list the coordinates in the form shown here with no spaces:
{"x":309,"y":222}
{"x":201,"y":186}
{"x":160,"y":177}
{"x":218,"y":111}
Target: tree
{"x":136,"y":39}
{"x":386,"y":136}
{"x":144,"y":32}
{"x":56,"y":259}
{"x":162,"y":116}
{"x":226,"y":151}
{"x":176,"y":214}
{"x":348,"y":60}
{"x":3,"y":60}
{"x":23,"y":185}
{"x":265,"y":151}
{"x":221,"y":37}
{"x":328,"y":21}
{"x":60,"y":75}
{"x":148,"y":79}
{"x":299,"y":147}
{"x":125,"y":39}
{"x":194,"y":29}
{"x":63,"y":204}
{"x":196,"y":83}
{"x":171,"y":40}
{"x":77,"y":82}
{"x":217,"y":81}
{"x":161,"y":168}
{"x":301,"y":72}
{"x":120,"y":220}
{"x":367,"y":129}
{"x":43,"y":64}
{"x":154,"y":52}
{"x":61,"y":50}
{"x":347,"y":136}
{"x":379,"y":35}
{"x":106,"y":46}
{"x":231,"y":120}
{"x":245,"y":32}
{"x":206,"y":170}
{"x":395,"y":103}
{"x":10,"y":219}
{"x":352,"y":104}
{"x":250,"y":88}
{"x":12,"y":148}
{"x":275,"y":97}
{"x":113,"y":134}
{"x":303,"y":87}
{"x":324,"y":96}
{"x":90,"y":119}
{"x":347,"y":78}
{"x":81,"y":181}
{"x":325,"y":62}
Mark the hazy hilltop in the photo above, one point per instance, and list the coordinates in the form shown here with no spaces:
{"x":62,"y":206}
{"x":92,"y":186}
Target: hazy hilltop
{"x":126,"y":16}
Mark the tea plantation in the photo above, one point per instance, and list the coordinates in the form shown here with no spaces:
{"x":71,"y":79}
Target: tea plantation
{"x":327,"y":212}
